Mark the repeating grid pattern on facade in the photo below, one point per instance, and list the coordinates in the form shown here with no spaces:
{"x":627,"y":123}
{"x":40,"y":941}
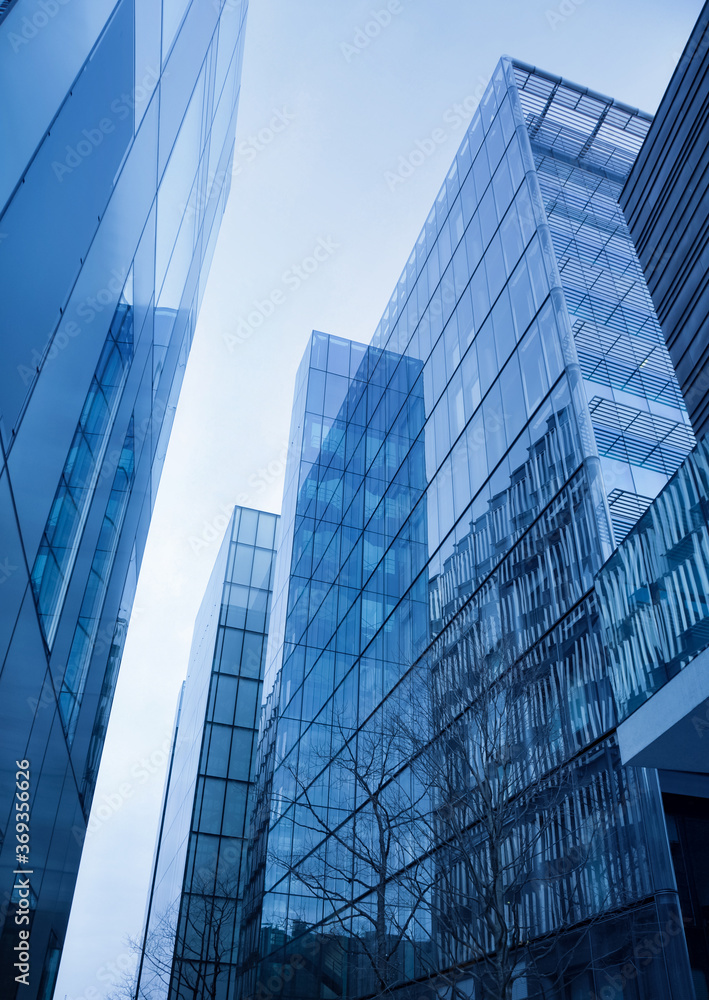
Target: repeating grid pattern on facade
{"x":655,"y":588}
{"x":666,"y":200}
{"x":446,"y":484}
{"x":618,"y":340}
{"x":638,"y":437}
{"x":589,"y":128}
{"x":190,"y":939}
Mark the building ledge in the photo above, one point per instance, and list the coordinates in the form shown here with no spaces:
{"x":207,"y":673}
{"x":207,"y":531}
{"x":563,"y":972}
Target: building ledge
{"x":671,"y":730}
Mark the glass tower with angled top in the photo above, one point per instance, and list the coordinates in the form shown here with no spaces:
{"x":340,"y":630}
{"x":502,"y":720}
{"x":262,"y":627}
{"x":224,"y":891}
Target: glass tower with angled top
{"x":453,"y":490}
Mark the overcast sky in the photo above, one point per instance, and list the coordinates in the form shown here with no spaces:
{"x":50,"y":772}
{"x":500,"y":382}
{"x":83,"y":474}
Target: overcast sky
{"x":345,"y":116}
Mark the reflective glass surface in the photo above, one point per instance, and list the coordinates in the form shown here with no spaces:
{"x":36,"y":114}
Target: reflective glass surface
{"x":654,"y":591}
{"x":95,"y":594}
{"x":451,"y":480}
{"x":666,"y":202}
{"x":110,"y":202}
{"x":59,"y":545}
{"x":194,"y":909}
{"x":639,"y":419}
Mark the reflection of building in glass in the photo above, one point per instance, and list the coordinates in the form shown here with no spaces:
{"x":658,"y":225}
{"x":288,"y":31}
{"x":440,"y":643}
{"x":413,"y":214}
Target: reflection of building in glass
{"x":666,"y":201}
{"x":583,"y":148}
{"x":111,"y":197}
{"x":654,"y":603}
{"x":194,"y":906}
{"x":654,"y":591}
{"x":357,"y":409}
{"x":453,"y":489}
{"x":552,"y":457}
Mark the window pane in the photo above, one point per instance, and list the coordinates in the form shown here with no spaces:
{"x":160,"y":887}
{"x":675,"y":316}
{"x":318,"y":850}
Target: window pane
{"x":252,"y":655}
{"x":246,"y":705}
{"x":534,"y":375}
{"x":225,"y":698}
{"x":231,"y":650}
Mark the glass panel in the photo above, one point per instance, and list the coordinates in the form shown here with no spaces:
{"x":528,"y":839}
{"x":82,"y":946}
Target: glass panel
{"x":62,"y":533}
{"x":94,"y":596}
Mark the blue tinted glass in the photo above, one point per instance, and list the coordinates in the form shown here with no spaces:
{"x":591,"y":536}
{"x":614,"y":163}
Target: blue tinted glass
{"x":488,"y":216}
{"x":534,"y":376}
{"x":521,"y":297}
{"x":487,"y":356}
{"x":503,"y":326}
{"x":62,"y":533}
{"x":248,"y":526}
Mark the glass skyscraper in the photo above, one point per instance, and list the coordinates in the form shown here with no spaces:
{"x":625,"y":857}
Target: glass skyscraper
{"x":117,"y":133}
{"x":453,"y":490}
{"x":192,"y":922}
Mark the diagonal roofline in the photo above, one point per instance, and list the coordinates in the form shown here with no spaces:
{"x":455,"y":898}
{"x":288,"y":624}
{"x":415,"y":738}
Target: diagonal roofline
{"x":584,"y":91}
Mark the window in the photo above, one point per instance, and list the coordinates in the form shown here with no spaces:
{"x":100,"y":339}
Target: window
{"x":64,"y":528}
{"x":521,"y":297}
{"x":86,"y":631}
{"x":231,"y":650}
{"x":534,"y":376}
{"x":246,"y":704}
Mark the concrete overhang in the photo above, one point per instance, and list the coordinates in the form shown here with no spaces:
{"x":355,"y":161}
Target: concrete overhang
{"x":671,"y":730}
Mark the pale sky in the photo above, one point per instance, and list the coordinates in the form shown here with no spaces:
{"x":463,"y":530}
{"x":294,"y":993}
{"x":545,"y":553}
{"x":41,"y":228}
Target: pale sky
{"x":330,"y":122}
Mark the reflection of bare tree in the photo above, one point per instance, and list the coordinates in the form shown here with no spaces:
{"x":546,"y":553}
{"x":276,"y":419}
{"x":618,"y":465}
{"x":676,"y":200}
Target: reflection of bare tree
{"x":449,"y":840}
{"x":361,"y":858}
{"x":188,"y":950}
{"x":519,"y":852}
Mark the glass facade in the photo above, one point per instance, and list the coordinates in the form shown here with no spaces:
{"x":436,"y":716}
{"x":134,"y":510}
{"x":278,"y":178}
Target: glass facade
{"x":653,"y":598}
{"x":654,"y":591}
{"x":194,"y":909}
{"x":583,"y":149}
{"x":467,"y":475}
{"x":111,"y":196}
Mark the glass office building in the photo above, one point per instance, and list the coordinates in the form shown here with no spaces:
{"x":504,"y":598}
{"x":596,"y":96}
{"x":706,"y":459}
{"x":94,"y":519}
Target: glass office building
{"x":194,"y":908}
{"x":666,"y":202}
{"x":117,"y":134}
{"x":455,"y":487}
